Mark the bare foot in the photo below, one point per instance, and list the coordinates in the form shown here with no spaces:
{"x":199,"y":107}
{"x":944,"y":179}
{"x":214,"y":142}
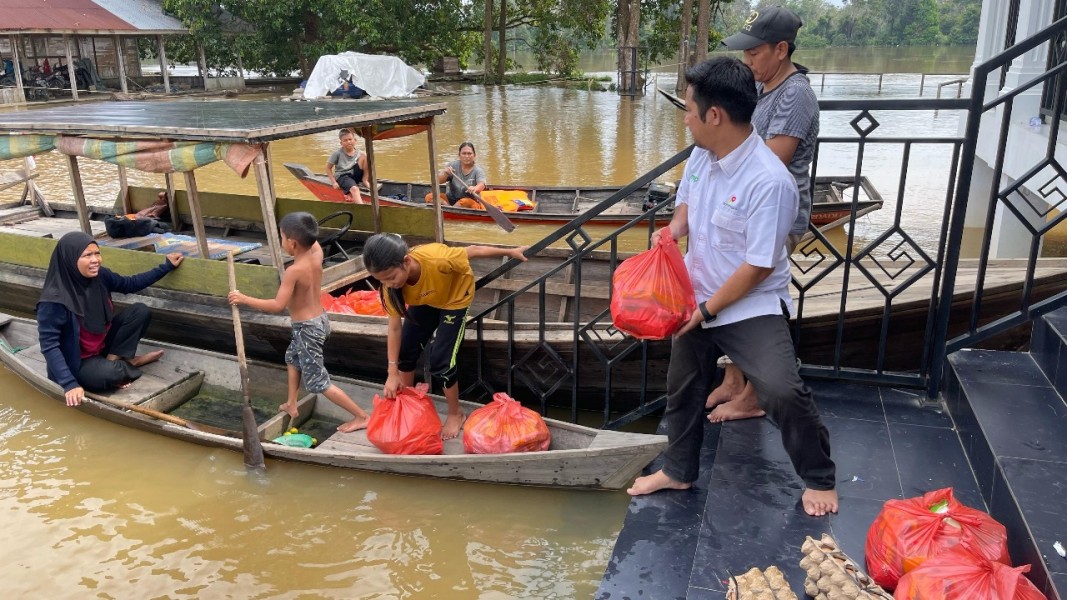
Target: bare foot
{"x":291,"y":408}
{"x":744,"y":406}
{"x":124,"y":385}
{"x":452,"y":425}
{"x":819,"y":502}
{"x":732,"y":385}
{"x":144,"y":359}
{"x":353,"y":425}
{"x":654,"y":483}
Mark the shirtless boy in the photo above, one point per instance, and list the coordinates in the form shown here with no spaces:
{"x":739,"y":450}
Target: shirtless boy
{"x":299,"y":292}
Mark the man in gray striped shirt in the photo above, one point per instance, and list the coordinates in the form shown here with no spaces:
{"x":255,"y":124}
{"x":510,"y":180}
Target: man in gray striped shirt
{"x":787,"y":118}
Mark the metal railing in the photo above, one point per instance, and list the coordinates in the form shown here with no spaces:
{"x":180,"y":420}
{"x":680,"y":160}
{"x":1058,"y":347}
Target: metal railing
{"x":1010,"y":202}
{"x":874,"y":307}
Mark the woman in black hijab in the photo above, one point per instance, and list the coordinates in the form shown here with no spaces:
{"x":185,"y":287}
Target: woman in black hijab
{"x":86,"y":345}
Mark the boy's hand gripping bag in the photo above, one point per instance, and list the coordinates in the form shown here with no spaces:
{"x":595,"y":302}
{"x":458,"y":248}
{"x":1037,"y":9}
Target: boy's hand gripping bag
{"x":652,"y":296}
{"x":407,"y":424}
{"x":503,"y":426}
{"x":908,"y":532}
{"x":959,"y":574}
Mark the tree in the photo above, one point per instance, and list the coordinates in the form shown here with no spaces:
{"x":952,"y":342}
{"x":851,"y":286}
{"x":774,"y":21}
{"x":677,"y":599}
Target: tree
{"x":287,"y":35}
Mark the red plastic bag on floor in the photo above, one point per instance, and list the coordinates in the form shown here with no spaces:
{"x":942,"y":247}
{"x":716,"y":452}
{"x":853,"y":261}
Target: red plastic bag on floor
{"x":959,"y":574}
{"x":652,"y":296}
{"x":407,"y":424}
{"x":503,"y":426}
{"x":365,"y":302}
{"x":908,"y":532}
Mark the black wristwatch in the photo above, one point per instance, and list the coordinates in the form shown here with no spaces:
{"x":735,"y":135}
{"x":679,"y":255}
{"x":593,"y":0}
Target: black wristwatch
{"x":708,"y":317}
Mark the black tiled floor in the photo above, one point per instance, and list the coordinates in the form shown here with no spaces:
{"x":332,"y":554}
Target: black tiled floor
{"x":1016,"y":368}
{"x":1025,"y":427}
{"x":1032,"y":483}
{"x":751,"y":514}
{"x":931,"y":458}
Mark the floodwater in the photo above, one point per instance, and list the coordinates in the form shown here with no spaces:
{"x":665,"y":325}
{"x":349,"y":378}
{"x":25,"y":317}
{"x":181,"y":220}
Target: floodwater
{"x":91,"y":509}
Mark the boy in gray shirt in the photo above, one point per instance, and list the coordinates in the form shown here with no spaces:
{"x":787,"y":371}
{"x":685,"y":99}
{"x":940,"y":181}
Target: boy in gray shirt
{"x":347,"y":167}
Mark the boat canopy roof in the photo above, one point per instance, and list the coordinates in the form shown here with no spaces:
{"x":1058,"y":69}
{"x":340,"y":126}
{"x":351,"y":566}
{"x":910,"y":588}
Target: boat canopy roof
{"x":249,"y":121}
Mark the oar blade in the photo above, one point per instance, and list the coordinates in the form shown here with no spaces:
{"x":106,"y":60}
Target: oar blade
{"x":253,"y":450}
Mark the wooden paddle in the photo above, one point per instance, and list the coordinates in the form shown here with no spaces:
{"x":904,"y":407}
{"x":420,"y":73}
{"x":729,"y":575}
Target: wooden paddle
{"x":253,"y":449}
{"x":162,"y":416}
{"x":497,"y":214}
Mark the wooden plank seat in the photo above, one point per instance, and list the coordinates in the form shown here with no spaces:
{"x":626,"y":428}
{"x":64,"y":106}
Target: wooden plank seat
{"x":357,"y":441}
{"x":27,"y":221}
{"x":161,"y":386}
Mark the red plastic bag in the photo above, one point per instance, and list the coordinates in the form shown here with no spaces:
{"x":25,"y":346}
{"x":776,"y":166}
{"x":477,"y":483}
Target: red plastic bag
{"x":959,"y":574}
{"x":503,"y":426}
{"x":908,"y":532}
{"x":365,"y":302}
{"x":652,"y":296}
{"x":407,"y":424}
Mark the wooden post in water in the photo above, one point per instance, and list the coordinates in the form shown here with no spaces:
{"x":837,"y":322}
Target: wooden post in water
{"x":122,"y":63}
{"x":922,"y":83}
{"x":435,"y":189}
{"x":15,"y":41}
{"x":368,"y":133}
{"x":172,"y":203}
{"x":124,"y":191}
{"x":270,"y":223}
{"x":71,"y":72}
{"x":79,"y":194}
{"x":197,"y":215}
{"x":163,"y":64}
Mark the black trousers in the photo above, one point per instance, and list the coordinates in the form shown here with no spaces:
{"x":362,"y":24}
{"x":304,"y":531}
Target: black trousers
{"x":350,"y":179}
{"x":422,"y":323}
{"x":97,"y":373}
{"x":762,"y":349}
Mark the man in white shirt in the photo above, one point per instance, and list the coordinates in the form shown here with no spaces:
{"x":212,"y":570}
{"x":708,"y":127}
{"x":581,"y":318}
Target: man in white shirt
{"x":736,"y":204}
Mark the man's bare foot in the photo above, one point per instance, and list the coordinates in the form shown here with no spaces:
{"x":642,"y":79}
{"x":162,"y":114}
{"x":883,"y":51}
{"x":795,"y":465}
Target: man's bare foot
{"x":732,"y":385}
{"x":819,"y":502}
{"x":744,"y":406}
{"x":291,"y":408}
{"x":124,"y":385}
{"x":353,"y":425}
{"x":654,"y":483}
{"x":453,"y":422}
{"x":144,"y":359}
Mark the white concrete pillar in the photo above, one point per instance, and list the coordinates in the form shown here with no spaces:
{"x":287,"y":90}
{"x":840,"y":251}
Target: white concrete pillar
{"x":1011,"y":239}
{"x":1034,"y":15}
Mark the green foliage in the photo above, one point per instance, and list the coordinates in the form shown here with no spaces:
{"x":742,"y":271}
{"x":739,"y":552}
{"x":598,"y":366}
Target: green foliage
{"x":882,"y":22}
{"x":280,"y":36}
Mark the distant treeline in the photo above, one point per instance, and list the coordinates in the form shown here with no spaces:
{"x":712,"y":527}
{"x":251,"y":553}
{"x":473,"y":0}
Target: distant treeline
{"x":280,"y":36}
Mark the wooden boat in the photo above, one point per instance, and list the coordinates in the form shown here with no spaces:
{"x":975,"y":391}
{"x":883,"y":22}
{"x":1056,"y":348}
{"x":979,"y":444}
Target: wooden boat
{"x":200,"y":390}
{"x":556,"y":205}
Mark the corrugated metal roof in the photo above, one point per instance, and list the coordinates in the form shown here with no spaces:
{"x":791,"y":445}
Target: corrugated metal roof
{"x":84,"y":16}
{"x":145,"y":15}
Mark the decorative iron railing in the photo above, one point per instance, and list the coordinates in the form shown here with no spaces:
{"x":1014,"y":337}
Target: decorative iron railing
{"x":1013,"y":211}
{"x":874,"y":304}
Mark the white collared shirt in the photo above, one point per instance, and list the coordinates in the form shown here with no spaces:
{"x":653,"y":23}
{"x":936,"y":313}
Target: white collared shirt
{"x":740,"y":211}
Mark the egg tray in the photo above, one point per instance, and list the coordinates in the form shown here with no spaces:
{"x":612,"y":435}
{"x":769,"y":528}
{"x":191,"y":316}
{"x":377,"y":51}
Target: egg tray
{"x":768,"y":584}
{"x":832,"y":575}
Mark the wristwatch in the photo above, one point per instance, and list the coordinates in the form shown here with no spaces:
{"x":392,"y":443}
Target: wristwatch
{"x":708,"y":317}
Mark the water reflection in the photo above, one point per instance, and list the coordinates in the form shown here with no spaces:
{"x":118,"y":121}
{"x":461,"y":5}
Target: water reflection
{"x":95,"y":508}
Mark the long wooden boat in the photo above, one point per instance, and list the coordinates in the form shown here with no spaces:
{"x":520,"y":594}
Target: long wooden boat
{"x":556,"y":205}
{"x":202,"y":387}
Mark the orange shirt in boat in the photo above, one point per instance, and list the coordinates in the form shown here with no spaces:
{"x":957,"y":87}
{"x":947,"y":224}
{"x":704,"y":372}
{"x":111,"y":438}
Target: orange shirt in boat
{"x":446,"y":281}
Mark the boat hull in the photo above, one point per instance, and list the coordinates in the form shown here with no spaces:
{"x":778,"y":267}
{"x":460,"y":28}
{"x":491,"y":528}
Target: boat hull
{"x":580,"y":457}
{"x":558,"y":205}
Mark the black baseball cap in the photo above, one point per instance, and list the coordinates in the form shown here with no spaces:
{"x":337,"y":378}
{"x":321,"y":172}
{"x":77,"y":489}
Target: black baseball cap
{"x":770,"y":25}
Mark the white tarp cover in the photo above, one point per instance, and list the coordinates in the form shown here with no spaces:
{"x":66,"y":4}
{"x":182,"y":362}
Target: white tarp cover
{"x":378,"y":75}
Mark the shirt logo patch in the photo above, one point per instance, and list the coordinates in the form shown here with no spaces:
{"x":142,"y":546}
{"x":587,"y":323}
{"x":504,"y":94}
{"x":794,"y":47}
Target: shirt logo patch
{"x":693,"y":178}
{"x":732,"y":200}
{"x":450,"y":319}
